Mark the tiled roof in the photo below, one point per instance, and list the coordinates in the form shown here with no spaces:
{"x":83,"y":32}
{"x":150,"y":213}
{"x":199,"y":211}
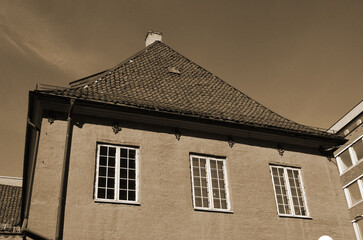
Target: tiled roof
{"x":160,"y":79}
{"x":10,"y":207}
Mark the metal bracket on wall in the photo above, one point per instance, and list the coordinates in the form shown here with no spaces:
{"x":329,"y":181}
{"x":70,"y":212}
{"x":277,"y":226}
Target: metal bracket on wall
{"x":230,"y":141}
{"x":177,"y":134}
{"x":79,"y":124}
{"x":116,"y":127}
{"x":280,"y":150}
{"x":51,"y":120}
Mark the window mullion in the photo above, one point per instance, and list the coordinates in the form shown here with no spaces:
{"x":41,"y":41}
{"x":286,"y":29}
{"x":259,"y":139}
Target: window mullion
{"x":347,"y":196}
{"x":117,"y":173}
{"x":360,"y":186}
{"x":353,"y":156}
{"x":209,"y":184}
{"x":97,"y":170}
{"x":288,"y":188}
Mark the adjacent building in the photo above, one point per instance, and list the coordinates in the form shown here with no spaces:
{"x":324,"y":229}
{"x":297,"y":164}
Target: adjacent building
{"x":10,"y":207}
{"x":349,"y":158}
{"x":158,"y":147}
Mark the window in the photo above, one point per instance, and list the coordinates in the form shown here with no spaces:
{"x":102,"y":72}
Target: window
{"x":116,"y":174}
{"x":289,"y":191}
{"x":358,"y":229}
{"x":354,"y":191}
{"x":209,"y":182}
{"x":350,"y":156}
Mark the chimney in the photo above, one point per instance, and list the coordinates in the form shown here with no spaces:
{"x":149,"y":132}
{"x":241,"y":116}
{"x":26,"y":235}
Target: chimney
{"x":153,"y":36}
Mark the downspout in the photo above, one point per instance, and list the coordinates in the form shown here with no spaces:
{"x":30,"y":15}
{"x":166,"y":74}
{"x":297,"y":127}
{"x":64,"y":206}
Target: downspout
{"x":31,"y":178}
{"x":65,"y":171}
{"x":24,"y":228}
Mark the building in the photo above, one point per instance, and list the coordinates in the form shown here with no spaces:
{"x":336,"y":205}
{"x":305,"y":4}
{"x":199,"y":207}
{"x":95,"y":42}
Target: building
{"x":159,"y":148}
{"x":350,"y":164}
{"x":10,"y":207}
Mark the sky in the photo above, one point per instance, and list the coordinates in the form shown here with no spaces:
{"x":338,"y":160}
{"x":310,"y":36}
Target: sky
{"x":301,"y":59}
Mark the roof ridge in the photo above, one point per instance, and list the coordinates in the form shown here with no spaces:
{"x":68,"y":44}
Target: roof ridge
{"x":144,"y":81}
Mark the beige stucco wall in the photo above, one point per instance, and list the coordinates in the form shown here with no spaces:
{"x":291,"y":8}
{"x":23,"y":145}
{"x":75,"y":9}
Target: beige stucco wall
{"x":166,"y":210}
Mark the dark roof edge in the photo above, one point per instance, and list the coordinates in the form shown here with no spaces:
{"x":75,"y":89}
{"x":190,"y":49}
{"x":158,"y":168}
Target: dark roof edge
{"x":330,"y":137}
{"x":85,"y":80}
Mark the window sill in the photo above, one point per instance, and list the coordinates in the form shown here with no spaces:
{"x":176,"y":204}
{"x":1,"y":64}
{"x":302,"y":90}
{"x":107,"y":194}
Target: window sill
{"x":351,"y":167}
{"x":117,"y":202}
{"x":355,"y":204}
{"x":292,"y":216}
{"x":213,"y":210}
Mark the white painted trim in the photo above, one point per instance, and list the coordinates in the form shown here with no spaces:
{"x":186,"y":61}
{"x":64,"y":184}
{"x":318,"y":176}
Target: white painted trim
{"x":117,"y":175}
{"x":349,"y":145}
{"x":347,"y":193}
{"x":11,"y":181}
{"x":288,"y":189}
{"x":355,"y":179}
{"x":347,"y":118}
{"x":209,"y":183}
{"x":358,"y":233}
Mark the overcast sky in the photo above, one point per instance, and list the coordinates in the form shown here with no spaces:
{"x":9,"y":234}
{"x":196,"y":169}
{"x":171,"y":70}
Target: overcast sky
{"x":301,"y":59}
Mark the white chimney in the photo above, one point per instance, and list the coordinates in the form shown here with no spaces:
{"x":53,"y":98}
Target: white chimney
{"x":153,"y":36}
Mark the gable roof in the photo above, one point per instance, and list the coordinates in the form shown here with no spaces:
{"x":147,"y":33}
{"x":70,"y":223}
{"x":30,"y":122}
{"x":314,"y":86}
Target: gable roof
{"x":150,"y":80}
{"x":10,"y":206}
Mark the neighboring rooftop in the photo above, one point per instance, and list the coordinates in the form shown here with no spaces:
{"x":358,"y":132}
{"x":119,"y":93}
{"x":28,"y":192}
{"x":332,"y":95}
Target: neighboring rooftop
{"x":352,"y":115}
{"x":10,"y":207}
{"x":11,"y":181}
{"x":160,"y":79}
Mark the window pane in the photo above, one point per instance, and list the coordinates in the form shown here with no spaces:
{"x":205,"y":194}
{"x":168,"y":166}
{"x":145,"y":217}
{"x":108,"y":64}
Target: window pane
{"x":123,"y":184}
{"x":123,"y":162}
{"x":103,"y":151}
{"x":123,"y":195}
{"x":354,"y":193}
{"x":110,"y":194}
{"x":198,"y":202}
{"x":101,"y":193}
{"x":345,"y":160}
{"x":205,"y":202}
{"x":197,"y":192}
{"x":131,"y":153}
{"x":111,"y":172}
{"x":123,"y":153}
{"x":131,"y":174}
{"x":123,"y":173}
{"x":132,"y":196}
{"x":111,"y":161}
{"x":103,"y":161}
{"x":358,"y":149}
{"x":131,"y":163}
{"x":131,"y":184}
{"x":217,"y":203}
{"x":101,"y":182}
{"x":110,"y":183}
{"x":112,"y":151}
{"x":102,"y":171}
{"x":213,"y":164}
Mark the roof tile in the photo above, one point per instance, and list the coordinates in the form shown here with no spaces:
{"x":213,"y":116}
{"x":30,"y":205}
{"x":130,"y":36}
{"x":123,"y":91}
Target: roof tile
{"x":144,"y":81}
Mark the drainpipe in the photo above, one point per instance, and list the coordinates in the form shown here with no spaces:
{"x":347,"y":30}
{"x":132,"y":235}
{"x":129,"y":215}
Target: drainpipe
{"x":31,"y":178}
{"x":24,"y":230}
{"x":64,"y":179}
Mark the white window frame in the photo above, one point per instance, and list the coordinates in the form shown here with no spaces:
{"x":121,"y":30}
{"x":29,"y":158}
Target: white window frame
{"x":117,"y":174}
{"x":347,"y":194}
{"x":357,"y":231}
{"x":288,"y":188}
{"x":352,"y":154}
{"x":209,"y":184}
